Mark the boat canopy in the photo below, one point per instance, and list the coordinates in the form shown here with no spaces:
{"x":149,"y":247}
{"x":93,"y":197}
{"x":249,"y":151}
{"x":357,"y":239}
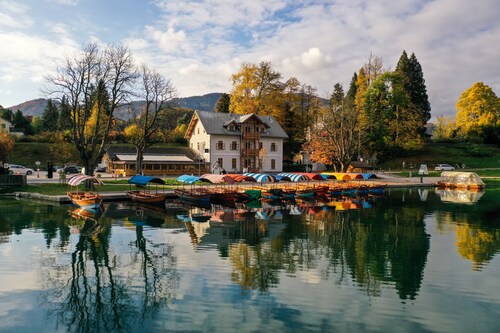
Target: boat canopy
{"x":188,"y":179}
{"x":369,"y":175}
{"x":282,"y":178}
{"x":144,"y":180}
{"x":240,"y":178}
{"x":294,"y":177}
{"x":216,"y":179}
{"x":261,"y":177}
{"x":342,"y":175}
{"x":78,"y":179}
{"x":461,"y":179}
{"x":312,"y":176}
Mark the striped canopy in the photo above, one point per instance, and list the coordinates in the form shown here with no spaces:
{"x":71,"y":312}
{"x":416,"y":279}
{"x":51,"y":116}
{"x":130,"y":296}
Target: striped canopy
{"x":341,"y":175}
{"x":240,"y":178}
{"x":261,"y":177}
{"x":215,"y":178}
{"x":188,"y":179}
{"x":282,"y":178}
{"x":294,"y":177}
{"x":78,"y":179}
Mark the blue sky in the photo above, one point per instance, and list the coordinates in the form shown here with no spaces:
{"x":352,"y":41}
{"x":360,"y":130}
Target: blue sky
{"x":198,"y":44}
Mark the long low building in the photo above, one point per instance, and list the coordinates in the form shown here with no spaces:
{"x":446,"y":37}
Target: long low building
{"x":157,"y":161}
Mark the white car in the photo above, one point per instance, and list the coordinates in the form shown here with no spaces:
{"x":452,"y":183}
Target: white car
{"x":16,"y":169}
{"x":444,"y":167}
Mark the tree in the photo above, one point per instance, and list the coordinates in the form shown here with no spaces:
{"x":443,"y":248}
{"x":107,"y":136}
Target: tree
{"x":414,"y":84}
{"x":6,"y":146}
{"x":157,"y":93}
{"x":257,"y":89}
{"x":50,"y":117}
{"x":222,"y":105}
{"x":445,"y":128}
{"x":94,"y":84}
{"x":21,"y":123}
{"x":334,"y":141}
{"x":64,"y":120}
{"x":478,"y":115}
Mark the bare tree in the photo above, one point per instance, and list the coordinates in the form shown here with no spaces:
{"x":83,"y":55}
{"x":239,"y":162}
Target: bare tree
{"x":94,"y":83}
{"x":158,"y":94}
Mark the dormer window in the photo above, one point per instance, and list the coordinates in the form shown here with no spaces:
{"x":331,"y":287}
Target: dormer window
{"x":231,"y":128}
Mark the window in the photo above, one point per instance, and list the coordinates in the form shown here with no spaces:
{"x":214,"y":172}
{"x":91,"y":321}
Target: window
{"x":261,"y":145}
{"x":198,"y":130}
{"x":198,"y":146}
{"x":273,"y":146}
{"x":231,"y":128}
{"x":220,"y":145}
{"x":262,"y":129}
{"x":273,"y":164}
{"x":219,"y":161}
{"x":233,"y":163}
{"x":234,"y":145}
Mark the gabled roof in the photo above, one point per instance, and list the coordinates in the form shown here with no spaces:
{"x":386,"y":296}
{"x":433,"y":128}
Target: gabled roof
{"x":214,"y":122}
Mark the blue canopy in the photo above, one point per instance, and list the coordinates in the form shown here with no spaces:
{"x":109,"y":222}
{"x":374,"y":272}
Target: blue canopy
{"x":369,"y":175}
{"x":282,"y":178}
{"x":143,"y":180}
{"x":189,"y":179}
{"x":261,"y":177}
{"x":294,"y":177}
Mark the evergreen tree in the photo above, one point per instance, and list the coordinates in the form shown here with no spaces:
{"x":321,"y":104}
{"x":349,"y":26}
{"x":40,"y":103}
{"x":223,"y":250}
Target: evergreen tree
{"x":418,"y":92}
{"x":64,"y":121}
{"x":21,"y":123}
{"x":50,"y":117}
{"x":337,"y":97}
{"x":351,"y":93}
{"x":222,"y":105}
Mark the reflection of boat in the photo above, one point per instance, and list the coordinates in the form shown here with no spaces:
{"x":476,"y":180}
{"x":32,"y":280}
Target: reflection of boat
{"x":461,"y":196}
{"x":87,"y":213}
{"x":84,"y":199}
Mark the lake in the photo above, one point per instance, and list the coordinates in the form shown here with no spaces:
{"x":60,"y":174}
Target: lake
{"x":418,"y":260}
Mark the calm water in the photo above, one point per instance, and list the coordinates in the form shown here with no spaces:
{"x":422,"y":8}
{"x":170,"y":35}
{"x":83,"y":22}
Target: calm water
{"x":411,"y":261}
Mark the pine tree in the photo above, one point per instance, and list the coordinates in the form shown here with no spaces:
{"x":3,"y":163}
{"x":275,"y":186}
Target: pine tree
{"x":418,"y":92}
{"x":50,"y":117}
{"x":351,"y":93}
{"x":64,"y":121}
{"x":222,"y":105}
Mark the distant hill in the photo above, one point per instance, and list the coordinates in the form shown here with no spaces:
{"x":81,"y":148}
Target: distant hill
{"x":206,"y":102}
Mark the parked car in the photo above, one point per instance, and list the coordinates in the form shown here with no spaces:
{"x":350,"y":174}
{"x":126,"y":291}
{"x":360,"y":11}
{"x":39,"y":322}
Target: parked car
{"x":16,"y":169}
{"x":444,"y":167}
{"x":68,"y":169}
{"x":101,"y":169}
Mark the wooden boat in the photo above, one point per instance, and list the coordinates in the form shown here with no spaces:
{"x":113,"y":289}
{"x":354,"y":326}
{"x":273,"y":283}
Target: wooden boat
{"x":194,"y":195}
{"x":253,"y":193}
{"x":146,"y":195}
{"x":304,"y":192}
{"x":85,"y":199}
{"x":376,"y":189}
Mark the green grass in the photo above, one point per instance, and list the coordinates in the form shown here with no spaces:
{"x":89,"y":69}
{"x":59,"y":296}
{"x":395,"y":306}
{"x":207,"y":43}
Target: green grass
{"x":472,"y":155}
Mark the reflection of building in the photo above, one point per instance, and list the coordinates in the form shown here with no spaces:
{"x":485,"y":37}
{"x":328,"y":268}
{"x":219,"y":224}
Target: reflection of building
{"x":121,"y":160}
{"x":235,"y":142}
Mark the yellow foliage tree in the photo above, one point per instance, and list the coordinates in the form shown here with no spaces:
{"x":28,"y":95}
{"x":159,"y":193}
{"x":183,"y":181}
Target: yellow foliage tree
{"x":478,"y":108}
{"x":6,"y":146}
{"x":444,"y":128}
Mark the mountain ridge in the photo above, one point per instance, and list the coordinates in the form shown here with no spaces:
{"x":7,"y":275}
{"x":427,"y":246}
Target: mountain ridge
{"x":35,"y":107}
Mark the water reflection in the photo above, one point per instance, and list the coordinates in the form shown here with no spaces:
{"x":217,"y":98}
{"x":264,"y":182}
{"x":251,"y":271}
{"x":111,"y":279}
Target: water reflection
{"x":461,"y":196}
{"x":114,"y":270}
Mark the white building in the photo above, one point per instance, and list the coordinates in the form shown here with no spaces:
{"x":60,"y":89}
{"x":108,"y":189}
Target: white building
{"x":237,"y":143}
{"x":5,"y":125}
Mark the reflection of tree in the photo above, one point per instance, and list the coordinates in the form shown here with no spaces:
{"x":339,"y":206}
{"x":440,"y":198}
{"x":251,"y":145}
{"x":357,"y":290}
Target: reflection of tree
{"x":104,"y":289}
{"x":477,"y":244}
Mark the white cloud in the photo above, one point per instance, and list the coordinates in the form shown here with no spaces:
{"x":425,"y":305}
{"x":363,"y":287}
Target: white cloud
{"x":66,"y":2}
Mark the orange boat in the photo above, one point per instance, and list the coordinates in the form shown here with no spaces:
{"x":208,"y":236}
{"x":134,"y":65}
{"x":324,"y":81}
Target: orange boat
{"x":84,"y":199}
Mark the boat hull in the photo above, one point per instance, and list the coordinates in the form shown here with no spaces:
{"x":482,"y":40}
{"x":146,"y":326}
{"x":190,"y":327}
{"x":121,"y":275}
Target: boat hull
{"x":89,"y":200}
{"x":146,"y":197}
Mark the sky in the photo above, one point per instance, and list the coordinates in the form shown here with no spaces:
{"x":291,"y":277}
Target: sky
{"x":199,"y":44}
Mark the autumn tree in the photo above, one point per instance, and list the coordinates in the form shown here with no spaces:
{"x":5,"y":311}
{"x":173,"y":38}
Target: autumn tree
{"x":94,"y":83}
{"x":222,"y":105}
{"x":445,"y":128}
{"x":478,"y":116}
{"x":334,"y":139}
{"x":257,"y":89}
{"x":6,"y":146}
{"x":157,"y":94}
